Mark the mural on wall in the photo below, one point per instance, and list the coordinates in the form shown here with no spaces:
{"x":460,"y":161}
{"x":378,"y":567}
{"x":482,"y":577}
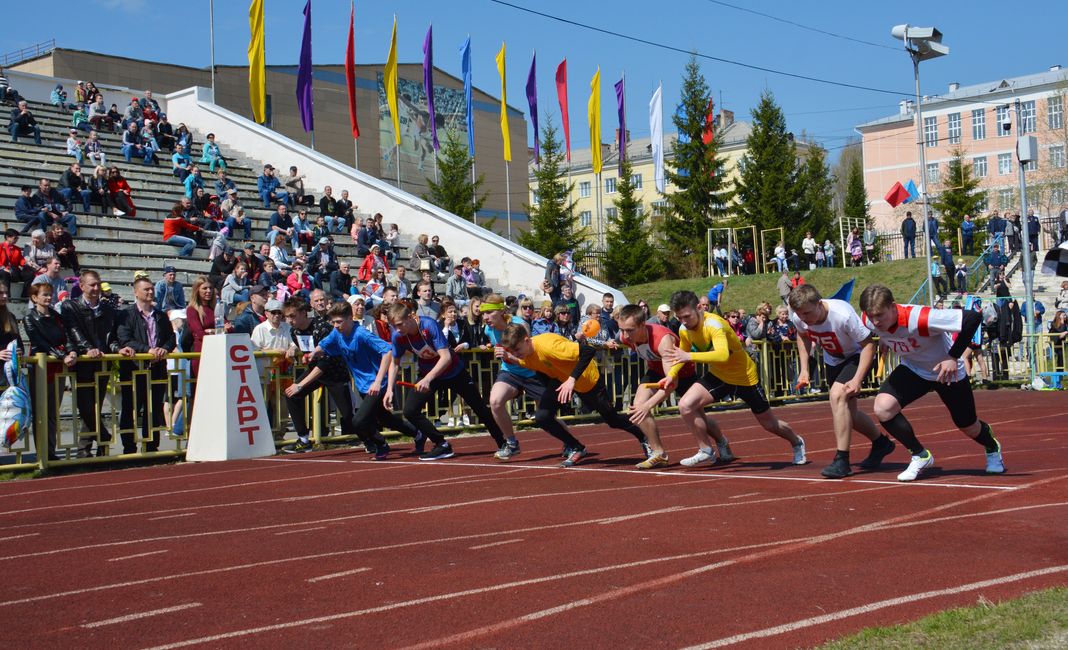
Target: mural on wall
{"x":417,"y":147}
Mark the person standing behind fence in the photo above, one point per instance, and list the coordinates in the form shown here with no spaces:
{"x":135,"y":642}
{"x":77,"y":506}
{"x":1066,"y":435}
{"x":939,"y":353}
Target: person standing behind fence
{"x":47,"y":335}
{"x":98,"y":323}
{"x":143,"y":329}
{"x":908,"y":235}
{"x":967,"y":235}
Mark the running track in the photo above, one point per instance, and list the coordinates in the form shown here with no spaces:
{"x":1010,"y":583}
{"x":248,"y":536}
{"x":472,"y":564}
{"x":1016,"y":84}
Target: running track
{"x":332,"y":549}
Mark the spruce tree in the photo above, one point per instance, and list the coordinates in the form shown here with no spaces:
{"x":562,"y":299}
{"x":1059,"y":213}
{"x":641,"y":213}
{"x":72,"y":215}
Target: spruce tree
{"x":455,"y":192}
{"x":702,"y":192}
{"x":959,"y":196}
{"x":629,"y":256}
{"x":816,"y":192}
{"x":768,"y":192}
{"x":552,"y":217}
{"x":856,"y":198}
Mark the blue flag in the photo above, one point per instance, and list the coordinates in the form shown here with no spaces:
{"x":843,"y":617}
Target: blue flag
{"x":845,"y":292}
{"x":681,"y":137}
{"x":465,"y":66}
{"x":914,"y":193}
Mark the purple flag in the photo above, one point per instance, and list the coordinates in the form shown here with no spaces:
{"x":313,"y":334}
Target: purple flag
{"x":532,"y":100}
{"x":305,"y":101}
{"x":621,"y":108}
{"x":428,"y":83}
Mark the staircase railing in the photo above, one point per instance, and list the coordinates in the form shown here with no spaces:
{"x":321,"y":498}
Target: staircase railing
{"x":35,"y":50}
{"x":977,"y":271}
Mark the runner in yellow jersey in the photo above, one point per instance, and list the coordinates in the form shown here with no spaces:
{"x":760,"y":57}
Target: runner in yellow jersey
{"x":708,"y":339}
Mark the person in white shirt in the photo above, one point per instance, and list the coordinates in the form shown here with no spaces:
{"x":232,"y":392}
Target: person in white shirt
{"x":272,"y":334}
{"x":809,"y":246}
{"x":848,"y":351}
{"x":930,"y":361}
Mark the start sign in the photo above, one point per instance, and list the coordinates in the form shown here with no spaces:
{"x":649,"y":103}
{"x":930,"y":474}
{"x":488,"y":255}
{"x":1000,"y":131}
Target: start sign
{"x":229,"y":417}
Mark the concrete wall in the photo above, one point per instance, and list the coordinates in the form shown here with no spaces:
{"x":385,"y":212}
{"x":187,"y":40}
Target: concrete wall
{"x":507,"y":264}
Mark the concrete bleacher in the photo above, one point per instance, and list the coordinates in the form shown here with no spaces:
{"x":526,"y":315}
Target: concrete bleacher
{"x":117,"y":247}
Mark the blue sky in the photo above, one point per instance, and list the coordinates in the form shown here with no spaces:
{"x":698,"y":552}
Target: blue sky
{"x":987,"y":42}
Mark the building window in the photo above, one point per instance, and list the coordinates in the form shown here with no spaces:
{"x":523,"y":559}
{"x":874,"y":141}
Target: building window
{"x":932,"y":173}
{"x":659,"y":208}
{"x":982,"y":204}
{"x":1004,"y":163}
{"x":979,"y":167}
{"x":641,"y":210}
{"x":611,"y":213}
{"x":1027,"y":117}
{"x":1031,"y":166}
{"x":979,"y":124}
{"x":1006,"y":199}
{"x":1001,"y":116}
{"x":609,"y":186}
{"x":1057,"y":195}
{"x":930,"y":131}
{"x":534,"y":195}
{"x":1055,"y":112}
{"x":585,"y":218}
{"x":1056,"y":156}
{"x":636,"y":181}
{"x":584,"y":189}
{"x":953,"y":128}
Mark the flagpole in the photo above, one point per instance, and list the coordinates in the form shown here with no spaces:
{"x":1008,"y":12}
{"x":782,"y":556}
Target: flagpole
{"x":211,"y":33}
{"x":312,"y":134}
{"x":508,"y":198}
{"x":356,"y":154}
{"x":396,"y":159}
{"x":474,"y":197}
{"x":600,"y":223}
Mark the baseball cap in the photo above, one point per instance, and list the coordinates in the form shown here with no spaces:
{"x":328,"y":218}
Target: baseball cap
{"x":249,"y":246}
{"x":352,"y":299}
{"x":664,"y":308}
{"x":169,"y":269}
{"x":273,"y":305}
{"x":141,"y":274}
{"x":259,"y":288}
{"x":326,"y":240}
{"x":105,"y":287}
{"x":176,"y":314}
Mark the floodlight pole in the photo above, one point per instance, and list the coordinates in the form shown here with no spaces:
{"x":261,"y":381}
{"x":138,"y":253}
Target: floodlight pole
{"x":1029,"y":298}
{"x":923,"y":170}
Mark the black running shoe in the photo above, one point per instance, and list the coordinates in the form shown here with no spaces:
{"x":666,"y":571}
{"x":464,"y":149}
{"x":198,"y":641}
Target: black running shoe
{"x":439,"y":452}
{"x":880,"y":449}
{"x":838,"y":468}
{"x":298,"y":447}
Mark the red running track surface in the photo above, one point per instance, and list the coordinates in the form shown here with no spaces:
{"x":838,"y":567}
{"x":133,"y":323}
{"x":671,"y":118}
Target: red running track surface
{"x":331,"y":548}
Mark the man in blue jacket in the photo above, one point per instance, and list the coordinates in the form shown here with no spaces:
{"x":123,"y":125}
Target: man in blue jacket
{"x":908,"y":234}
{"x":268,"y":186}
{"x":967,"y":235}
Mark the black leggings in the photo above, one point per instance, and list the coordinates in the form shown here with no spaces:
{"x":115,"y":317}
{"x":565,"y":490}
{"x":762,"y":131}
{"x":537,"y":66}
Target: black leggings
{"x":596,"y":399}
{"x":462,"y":385}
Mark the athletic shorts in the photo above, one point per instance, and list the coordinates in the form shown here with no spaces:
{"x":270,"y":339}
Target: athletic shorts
{"x":529,"y":385}
{"x":843,"y":372}
{"x":684,"y":382}
{"x":907,"y":387}
{"x":753,"y":396}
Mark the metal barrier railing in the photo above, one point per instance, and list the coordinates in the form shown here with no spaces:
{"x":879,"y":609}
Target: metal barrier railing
{"x":118,"y":404}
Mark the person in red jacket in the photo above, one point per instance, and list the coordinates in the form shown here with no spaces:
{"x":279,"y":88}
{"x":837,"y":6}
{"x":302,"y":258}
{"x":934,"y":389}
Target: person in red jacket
{"x":120,"y":193}
{"x":13,"y":267}
{"x":375,"y":259}
{"x":299,"y":282}
{"x":173,"y":227}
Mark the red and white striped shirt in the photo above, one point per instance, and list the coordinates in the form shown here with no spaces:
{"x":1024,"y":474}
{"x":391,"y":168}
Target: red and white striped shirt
{"x":922,"y":337}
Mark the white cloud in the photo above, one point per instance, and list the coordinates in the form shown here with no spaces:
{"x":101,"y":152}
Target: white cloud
{"x":123,"y":5}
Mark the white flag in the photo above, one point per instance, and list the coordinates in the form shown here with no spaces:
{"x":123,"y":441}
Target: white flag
{"x":656,"y":128}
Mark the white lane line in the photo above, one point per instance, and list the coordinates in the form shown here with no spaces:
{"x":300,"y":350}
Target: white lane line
{"x":130,"y":557}
{"x":439,"y":482}
{"x":182,"y":514}
{"x":302,"y":530}
{"x":707,"y":475}
{"x":492,"y":544}
{"x":5,"y":539}
{"x":871,"y":607}
{"x":337,"y":553}
{"x":341,"y":574}
{"x":762,"y":550}
{"x":134,"y":617}
{"x":640,"y":515}
{"x":747,"y":494}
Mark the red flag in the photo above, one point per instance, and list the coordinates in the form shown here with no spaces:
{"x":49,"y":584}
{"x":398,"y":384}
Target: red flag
{"x":561,"y":94}
{"x":350,"y":72}
{"x":897,"y":195}
{"x":707,"y":135}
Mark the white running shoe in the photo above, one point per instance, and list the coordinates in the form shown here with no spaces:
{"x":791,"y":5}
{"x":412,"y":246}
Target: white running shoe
{"x":702,"y":455}
{"x":995,"y":464}
{"x":799,"y":452}
{"x":916,"y":466}
{"x":725,"y":453}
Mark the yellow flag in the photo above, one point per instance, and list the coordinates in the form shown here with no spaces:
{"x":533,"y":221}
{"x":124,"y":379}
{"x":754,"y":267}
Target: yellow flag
{"x":257,"y":73}
{"x":504,"y":108}
{"x":391,"y":84}
{"x":595,"y":120}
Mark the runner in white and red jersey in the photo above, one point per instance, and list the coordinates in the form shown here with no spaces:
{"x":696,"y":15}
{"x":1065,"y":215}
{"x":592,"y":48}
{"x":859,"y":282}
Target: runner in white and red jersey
{"x":930,"y":360}
{"x":650,"y":342}
{"x":848,"y":351}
